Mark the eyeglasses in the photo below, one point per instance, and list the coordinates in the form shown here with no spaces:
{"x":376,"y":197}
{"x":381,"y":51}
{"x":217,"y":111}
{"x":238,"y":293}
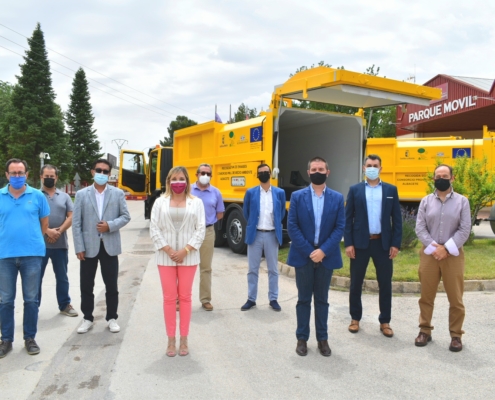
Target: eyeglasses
{"x":205,"y":173}
{"x":17,"y":173}
{"x":102,"y":171}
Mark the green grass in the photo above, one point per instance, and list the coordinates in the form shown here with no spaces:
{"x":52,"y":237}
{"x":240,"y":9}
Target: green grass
{"x":479,"y":259}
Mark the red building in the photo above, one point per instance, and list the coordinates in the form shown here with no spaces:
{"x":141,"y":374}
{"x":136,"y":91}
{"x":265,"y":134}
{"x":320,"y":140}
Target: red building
{"x":466,"y":105}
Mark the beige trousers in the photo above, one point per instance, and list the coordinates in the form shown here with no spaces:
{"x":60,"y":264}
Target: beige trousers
{"x":205,"y":258}
{"x":451,"y":271}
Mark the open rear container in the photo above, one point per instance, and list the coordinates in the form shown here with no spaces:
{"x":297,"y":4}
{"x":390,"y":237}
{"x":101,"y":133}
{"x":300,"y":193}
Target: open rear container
{"x":340,"y":139}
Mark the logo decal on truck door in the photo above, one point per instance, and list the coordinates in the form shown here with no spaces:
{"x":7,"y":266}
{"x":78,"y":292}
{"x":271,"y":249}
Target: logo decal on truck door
{"x":256,"y":134}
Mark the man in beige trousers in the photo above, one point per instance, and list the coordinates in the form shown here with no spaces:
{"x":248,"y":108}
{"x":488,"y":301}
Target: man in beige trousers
{"x":214,"y":209}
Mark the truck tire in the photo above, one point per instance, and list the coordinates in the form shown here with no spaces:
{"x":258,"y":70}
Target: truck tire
{"x":236,"y":232}
{"x":492,"y":218}
{"x":220,"y":238}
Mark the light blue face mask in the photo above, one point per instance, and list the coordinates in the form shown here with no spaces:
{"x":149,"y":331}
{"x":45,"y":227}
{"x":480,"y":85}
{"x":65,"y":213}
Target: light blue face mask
{"x":372,"y":173}
{"x":100,"y":179}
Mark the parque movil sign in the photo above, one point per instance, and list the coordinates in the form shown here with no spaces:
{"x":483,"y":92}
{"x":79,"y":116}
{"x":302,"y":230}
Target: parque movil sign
{"x":441,"y":109}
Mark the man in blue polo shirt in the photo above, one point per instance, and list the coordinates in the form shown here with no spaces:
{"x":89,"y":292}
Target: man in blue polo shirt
{"x":24,"y":215}
{"x":214,"y":209}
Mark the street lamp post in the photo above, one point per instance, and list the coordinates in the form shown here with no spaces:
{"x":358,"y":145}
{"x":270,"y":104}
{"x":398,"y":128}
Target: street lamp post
{"x":43,"y":155}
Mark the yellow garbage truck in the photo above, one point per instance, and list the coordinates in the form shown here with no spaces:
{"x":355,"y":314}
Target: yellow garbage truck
{"x":284,"y":137}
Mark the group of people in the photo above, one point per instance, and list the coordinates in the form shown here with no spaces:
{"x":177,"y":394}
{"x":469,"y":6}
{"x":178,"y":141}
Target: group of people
{"x":182,"y":231}
{"x":34,"y":230}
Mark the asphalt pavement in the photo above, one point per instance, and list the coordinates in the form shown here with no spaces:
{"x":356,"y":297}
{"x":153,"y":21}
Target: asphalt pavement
{"x":241,"y":355}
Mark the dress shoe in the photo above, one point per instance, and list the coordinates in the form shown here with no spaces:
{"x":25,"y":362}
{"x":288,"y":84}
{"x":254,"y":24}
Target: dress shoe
{"x":5,"y":348}
{"x":324,"y":348}
{"x":386,"y":330}
{"x":354,"y":326}
{"x":207,"y":306}
{"x":274,"y":304}
{"x":455,"y":344}
{"x":302,"y":347}
{"x":32,"y":347}
{"x":422,"y":339}
{"x":249,"y":304}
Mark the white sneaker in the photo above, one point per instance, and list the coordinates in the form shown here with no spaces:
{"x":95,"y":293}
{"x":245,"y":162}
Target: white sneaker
{"x":85,"y":326}
{"x":113,"y":326}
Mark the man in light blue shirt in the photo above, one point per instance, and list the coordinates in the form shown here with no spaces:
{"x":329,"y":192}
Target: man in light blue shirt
{"x":24,"y":214}
{"x":373,"y":229}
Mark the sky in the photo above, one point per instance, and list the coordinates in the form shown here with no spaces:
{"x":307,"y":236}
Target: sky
{"x":149,"y":61}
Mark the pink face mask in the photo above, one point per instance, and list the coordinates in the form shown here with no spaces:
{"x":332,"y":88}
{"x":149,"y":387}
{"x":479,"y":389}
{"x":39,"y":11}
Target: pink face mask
{"x":178,"y":186}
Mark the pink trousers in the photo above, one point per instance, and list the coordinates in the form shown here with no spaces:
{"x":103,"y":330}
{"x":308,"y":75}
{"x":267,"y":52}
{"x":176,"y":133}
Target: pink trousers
{"x":177,"y":283}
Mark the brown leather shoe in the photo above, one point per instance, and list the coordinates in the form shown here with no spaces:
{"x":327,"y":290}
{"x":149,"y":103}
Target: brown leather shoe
{"x":324,"y":348}
{"x":302,"y":348}
{"x":455,"y":344}
{"x":422,"y":339}
{"x":386,"y":330}
{"x":354,"y":326}
{"x":207,"y":306}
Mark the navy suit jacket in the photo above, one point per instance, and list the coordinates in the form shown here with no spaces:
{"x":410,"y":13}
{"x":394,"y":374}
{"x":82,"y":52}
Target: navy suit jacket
{"x":301,"y":228}
{"x":357,"y":232}
{"x":251,"y":210}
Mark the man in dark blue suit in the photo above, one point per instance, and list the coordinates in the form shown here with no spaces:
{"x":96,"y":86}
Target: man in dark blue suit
{"x":315,"y":226}
{"x":373,"y":229}
{"x":264,"y":210}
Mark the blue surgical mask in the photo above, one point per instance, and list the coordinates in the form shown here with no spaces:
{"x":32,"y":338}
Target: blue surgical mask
{"x":372,"y":173}
{"x":100,"y":179}
{"x":17,"y":182}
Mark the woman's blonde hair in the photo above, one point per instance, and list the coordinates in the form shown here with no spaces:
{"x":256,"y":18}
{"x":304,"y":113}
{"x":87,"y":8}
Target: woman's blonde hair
{"x":175,"y":171}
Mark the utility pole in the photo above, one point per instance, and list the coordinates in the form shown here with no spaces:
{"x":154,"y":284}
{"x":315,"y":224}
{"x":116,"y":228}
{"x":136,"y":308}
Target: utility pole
{"x":120,"y":143}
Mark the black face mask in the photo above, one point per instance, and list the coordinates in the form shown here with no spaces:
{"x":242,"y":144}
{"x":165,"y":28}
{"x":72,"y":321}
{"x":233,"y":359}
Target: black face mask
{"x":318,"y":178}
{"x":49,"y":182}
{"x":264,"y":176}
{"x":442,"y":184}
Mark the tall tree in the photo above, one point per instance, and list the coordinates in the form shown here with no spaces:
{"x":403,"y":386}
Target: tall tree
{"x":35,"y":124}
{"x":244,"y":112}
{"x":5,"y":108}
{"x":180,"y":122}
{"x":82,"y":137}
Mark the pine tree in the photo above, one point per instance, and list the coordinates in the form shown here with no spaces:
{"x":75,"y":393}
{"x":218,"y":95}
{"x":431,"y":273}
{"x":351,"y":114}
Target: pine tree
{"x":79,"y":118}
{"x":35,"y":124}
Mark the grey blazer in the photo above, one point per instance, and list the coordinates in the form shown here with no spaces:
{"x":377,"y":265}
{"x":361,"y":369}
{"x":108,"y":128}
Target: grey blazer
{"x":85,"y":218}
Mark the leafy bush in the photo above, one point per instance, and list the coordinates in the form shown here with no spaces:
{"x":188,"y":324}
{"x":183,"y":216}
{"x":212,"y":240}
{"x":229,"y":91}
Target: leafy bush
{"x":409,"y":238}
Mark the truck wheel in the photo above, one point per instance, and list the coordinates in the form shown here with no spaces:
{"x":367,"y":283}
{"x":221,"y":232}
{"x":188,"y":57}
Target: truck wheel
{"x":220,"y":238}
{"x":236,"y":232}
{"x":492,"y":218}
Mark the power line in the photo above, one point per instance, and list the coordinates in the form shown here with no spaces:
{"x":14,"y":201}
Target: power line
{"x":70,"y":69}
{"x":94,"y":87}
{"x":108,"y":77}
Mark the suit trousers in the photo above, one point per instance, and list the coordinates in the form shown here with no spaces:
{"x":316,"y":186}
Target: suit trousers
{"x":313,"y":279}
{"x":110,"y":272}
{"x":205,"y":258}
{"x":384,"y":271}
{"x":451,"y":271}
{"x":267,"y":242}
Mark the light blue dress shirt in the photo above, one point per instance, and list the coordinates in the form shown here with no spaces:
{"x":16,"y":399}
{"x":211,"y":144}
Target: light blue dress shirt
{"x":318,"y":202}
{"x":374,"y":206}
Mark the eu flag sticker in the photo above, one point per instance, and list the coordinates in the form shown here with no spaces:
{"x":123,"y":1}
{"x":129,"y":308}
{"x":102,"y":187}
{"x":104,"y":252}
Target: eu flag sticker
{"x":461,"y":152}
{"x":256,"y":134}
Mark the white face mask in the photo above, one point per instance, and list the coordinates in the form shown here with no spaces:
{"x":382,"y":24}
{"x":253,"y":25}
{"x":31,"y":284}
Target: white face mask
{"x":204,"y":179}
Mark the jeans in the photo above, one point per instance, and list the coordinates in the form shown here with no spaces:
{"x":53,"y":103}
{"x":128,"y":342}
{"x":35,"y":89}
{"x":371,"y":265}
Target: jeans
{"x":110,"y":272}
{"x":30,"y":270}
{"x":312,"y":280}
{"x":268,"y":242}
{"x":60,"y":259}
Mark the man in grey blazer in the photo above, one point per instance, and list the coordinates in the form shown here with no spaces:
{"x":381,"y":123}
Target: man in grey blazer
{"x":100,"y":210}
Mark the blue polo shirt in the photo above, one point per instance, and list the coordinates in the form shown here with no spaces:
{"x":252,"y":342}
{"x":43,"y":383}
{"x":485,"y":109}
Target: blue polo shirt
{"x":20,"y":228}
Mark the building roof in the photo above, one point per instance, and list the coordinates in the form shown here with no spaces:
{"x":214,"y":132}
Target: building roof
{"x":480,"y":83}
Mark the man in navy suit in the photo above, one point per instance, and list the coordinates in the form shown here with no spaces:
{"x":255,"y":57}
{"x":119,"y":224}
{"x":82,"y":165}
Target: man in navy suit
{"x":315,"y":226}
{"x":264,"y":210}
{"x":373,"y":229}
